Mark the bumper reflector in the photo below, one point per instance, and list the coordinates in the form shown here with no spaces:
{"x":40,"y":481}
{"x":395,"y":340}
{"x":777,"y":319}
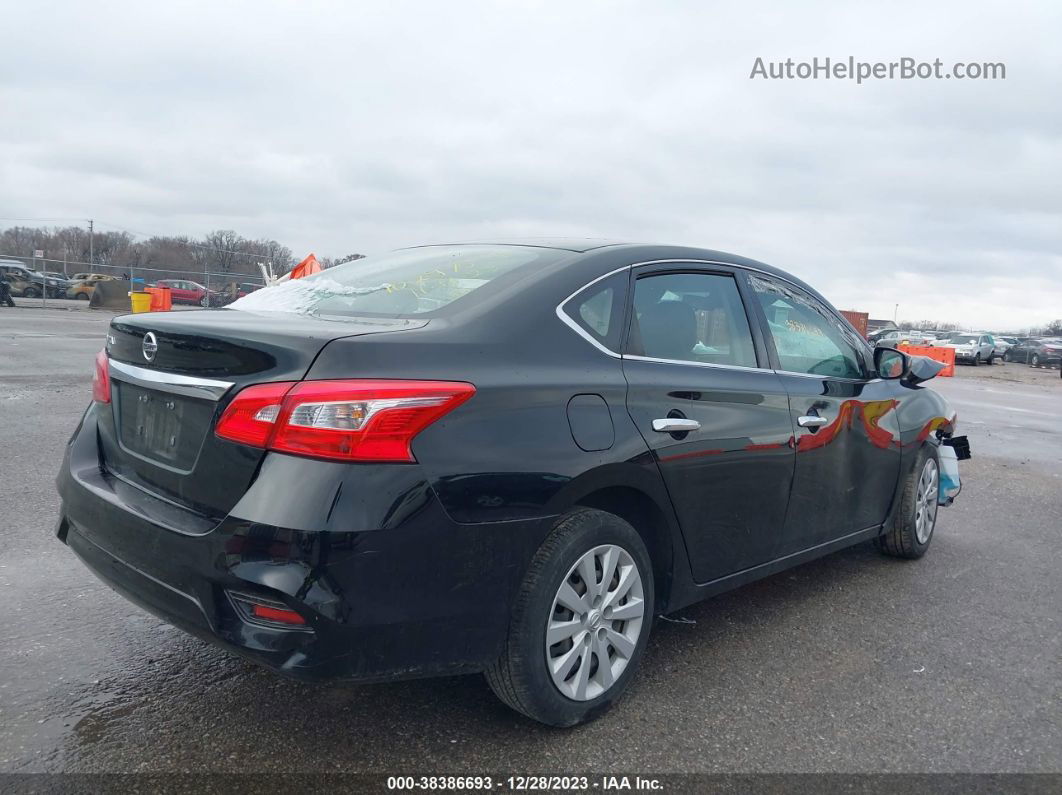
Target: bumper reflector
{"x":257,"y":610}
{"x":279,"y":614}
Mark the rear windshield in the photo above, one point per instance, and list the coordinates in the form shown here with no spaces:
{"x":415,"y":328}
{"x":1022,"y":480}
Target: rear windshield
{"x":399,"y":284}
{"x":963,"y":338}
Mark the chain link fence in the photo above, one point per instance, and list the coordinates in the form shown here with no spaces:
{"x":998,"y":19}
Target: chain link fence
{"x":49,"y":279}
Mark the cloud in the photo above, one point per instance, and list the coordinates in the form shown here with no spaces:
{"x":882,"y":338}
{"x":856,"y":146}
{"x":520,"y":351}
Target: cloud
{"x":338,"y":128}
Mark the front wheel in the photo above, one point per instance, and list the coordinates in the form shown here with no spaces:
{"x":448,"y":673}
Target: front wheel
{"x":977,"y":360}
{"x":205,"y":301}
{"x":31,"y":292}
{"x":991,"y":358}
{"x":1034,"y":360}
{"x":916,"y":515}
{"x":580,"y":621}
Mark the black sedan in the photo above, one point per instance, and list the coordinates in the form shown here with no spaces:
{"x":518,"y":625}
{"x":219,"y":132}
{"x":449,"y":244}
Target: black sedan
{"x":506,"y":458}
{"x":1036,"y":352}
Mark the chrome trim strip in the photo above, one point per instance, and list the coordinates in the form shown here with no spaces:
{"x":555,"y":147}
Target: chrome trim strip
{"x":831,"y":377}
{"x":570,"y":323}
{"x":699,"y":364}
{"x":174,"y":383}
{"x":734,"y":265}
{"x":582,"y":332}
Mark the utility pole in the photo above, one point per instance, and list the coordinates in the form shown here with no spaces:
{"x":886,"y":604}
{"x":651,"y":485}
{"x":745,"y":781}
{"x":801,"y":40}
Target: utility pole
{"x":90,"y":242}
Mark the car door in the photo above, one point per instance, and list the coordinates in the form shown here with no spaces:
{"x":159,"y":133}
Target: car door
{"x":847,"y":433}
{"x":713,"y":413}
{"x":988,"y":345}
{"x":179,"y":292}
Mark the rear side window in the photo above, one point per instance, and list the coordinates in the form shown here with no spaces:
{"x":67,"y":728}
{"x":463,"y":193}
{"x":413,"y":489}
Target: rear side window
{"x":400,"y":284}
{"x":807,"y":337}
{"x":598,"y":311}
{"x":691,"y":317}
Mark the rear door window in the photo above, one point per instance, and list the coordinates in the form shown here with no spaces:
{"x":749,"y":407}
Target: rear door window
{"x":691,"y":317}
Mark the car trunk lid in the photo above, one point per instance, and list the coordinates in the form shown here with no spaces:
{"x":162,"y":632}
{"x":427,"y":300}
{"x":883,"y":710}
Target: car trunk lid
{"x":173,"y":373}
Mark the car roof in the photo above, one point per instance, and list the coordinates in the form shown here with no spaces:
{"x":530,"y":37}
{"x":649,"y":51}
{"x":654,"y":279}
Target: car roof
{"x":592,"y":258}
{"x":578,"y":245}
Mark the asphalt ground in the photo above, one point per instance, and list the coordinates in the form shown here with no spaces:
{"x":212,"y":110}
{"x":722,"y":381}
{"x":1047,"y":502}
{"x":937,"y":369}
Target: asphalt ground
{"x":853,"y":663}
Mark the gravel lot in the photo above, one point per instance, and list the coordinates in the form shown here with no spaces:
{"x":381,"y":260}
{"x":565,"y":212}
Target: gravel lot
{"x":852,"y":663}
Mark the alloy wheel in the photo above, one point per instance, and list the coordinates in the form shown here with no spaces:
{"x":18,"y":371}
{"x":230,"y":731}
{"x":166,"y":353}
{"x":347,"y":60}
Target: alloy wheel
{"x":926,"y":502}
{"x":596,"y":620}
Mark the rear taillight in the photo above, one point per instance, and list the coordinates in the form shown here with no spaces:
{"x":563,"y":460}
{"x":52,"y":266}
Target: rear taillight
{"x":340,"y":420}
{"x":251,"y":416}
{"x":101,"y":379}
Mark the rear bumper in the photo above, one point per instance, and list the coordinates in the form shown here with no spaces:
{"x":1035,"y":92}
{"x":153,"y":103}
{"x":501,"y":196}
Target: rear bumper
{"x":425,"y":597}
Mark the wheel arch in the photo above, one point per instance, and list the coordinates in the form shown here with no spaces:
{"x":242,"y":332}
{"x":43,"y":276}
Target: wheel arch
{"x":652,"y":522}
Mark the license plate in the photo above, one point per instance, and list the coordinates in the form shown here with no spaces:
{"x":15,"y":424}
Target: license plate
{"x":161,"y":427}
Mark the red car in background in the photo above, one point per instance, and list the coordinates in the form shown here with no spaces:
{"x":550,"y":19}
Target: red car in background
{"x":183,"y":291}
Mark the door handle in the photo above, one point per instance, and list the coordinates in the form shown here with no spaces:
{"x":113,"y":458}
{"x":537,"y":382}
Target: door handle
{"x":812,"y":421}
{"x":675,"y":425}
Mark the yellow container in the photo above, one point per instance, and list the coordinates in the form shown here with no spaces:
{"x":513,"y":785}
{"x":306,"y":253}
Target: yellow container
{"x":141,"y":301}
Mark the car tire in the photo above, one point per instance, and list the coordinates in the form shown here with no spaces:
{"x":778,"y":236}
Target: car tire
{"x":1034,"y":360}
{"x":205,"y":302}
{"x":524,"y":676}
{"x":1006,"y":356}
{"x":912,"y":526}
{"x":30,"y":292}
{"x":81,"y":297}
{"x":991,"y":358}
{"x":977,"y":360}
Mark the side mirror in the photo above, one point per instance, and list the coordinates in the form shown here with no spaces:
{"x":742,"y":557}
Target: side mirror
{"x":890,"y":363}
{"x":922,"y":368}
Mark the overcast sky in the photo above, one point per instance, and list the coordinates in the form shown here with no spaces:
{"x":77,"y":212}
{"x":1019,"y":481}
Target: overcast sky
{"x":334,"y":129}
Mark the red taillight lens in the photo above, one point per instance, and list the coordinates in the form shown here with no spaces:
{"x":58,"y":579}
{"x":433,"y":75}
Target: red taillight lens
{"x":280,"y":615}
{"x":340,"y":420}
{"x":252,"y":415}
{"x":101,"y":379}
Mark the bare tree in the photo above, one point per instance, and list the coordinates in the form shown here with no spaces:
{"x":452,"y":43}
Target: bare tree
{"x":225,"y":245}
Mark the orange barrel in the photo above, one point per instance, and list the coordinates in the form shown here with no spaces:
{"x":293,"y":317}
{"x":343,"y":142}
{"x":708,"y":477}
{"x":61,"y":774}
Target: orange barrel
{"x":160,"y":298}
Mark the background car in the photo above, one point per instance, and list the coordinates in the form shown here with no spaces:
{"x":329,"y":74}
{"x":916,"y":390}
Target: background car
{"x":230,"y":292}
{"x":29,"y":283}
{"x":1004,"y":344}
{"x":1044,"y":352}
{"x":81,"y":289}
{"x":895,"y":337}
{"x":183,"y":291}
{"x":91,"y":277}
{"x":972,"y":348}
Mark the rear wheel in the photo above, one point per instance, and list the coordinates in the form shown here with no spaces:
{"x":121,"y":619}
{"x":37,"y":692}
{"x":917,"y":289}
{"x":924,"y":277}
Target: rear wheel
{"x":580,"y":621}
{"x":82,"y":296}
{"x":916,"y":516}
{"x":1006,"y":356}
{"x":205,"y":301}
{"x":31,"y":292}
{"x":1034,"y":360}
{"x":991,"y":358}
